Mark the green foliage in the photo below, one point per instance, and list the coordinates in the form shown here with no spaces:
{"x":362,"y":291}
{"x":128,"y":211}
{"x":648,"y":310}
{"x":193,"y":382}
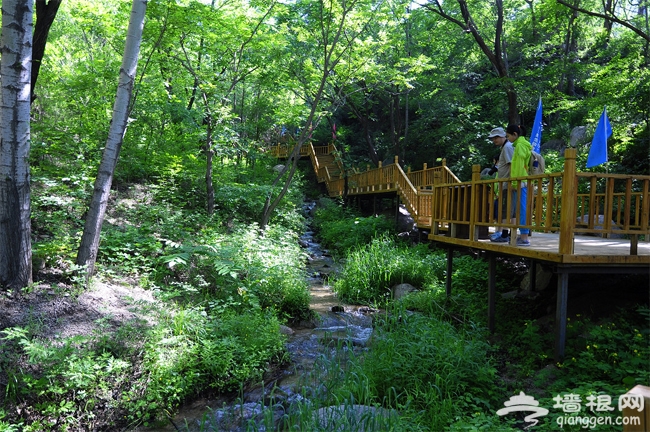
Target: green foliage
{"x":614,"y":351}
{"x":241,"y":271}
{"x":192,"y":350}
{"x":340,"y":229}
{"x":371,"y":270}
{"x":58,"y":205}
{"x":429,"y":367}
{"x":70,"y":381}
{"x":129,"y":249}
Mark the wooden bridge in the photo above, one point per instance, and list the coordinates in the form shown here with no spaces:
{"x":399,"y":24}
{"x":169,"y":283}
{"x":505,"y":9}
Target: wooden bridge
{"x":563,"y":215}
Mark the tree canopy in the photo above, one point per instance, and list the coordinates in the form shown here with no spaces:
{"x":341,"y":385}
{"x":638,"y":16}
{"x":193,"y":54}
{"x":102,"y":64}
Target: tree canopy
{"x":422,"y":81}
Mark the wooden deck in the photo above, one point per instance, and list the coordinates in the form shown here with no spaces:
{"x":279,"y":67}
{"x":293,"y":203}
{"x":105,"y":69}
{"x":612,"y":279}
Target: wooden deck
{"x":565,"y":216}
{"x":545,"y":246}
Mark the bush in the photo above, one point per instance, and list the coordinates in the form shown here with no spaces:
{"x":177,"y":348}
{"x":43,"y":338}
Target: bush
{"x":430,"y":367}
{"x":371,"y":270}
{"x":340,"y":229}
{"x":242,"y":271}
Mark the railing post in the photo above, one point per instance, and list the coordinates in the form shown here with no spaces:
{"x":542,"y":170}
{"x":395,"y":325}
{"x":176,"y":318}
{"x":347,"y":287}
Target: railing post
{"x":395,"y":173}
{"x":379,"y":178}
{"x":568,"y":203}
{"x":473,"y":206}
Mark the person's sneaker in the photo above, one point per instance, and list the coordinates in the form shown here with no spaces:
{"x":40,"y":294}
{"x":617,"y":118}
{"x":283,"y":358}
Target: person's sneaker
{"x":495,"y":236}
{"x":502,"y":240}
{"x":521,"y":242}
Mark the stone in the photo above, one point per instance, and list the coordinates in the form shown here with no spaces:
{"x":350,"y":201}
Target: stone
{"x":558,"y":145}
{"x":278,"y":168}
{"x":401,"y":290}
{"x":286,"y":330}
{"x":598,"y":224}
{"x":542,"y":279}
{"x":405,"y":222}
{"x":578,"y":136}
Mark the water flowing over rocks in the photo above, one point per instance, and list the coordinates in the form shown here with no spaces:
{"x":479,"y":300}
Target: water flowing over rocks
{"x":338,"y":327}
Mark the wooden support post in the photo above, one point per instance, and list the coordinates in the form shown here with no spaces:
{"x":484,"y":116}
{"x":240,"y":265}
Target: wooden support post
{"x":634,"y":244}
{"x":533,"y":275}
{"x":492,"y":290}
{"x":474,"y":204}
{"x":395,"y":173}
{"x":450,"y":269}
{"x":561,"y":313}
{"x":637,"y":410}
{"x":397,"y":210}
{"x":569,"y":197}
{"x":380,"y":177}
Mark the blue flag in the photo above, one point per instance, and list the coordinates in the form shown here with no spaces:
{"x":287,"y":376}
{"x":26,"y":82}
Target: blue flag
{"x":598,"y":149}
{"x":536,"y":134}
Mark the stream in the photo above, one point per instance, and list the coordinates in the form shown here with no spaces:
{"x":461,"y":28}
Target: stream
{"x":306,"y":343}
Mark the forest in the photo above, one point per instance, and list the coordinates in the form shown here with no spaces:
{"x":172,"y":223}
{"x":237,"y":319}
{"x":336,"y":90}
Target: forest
{"x":150,"y":249}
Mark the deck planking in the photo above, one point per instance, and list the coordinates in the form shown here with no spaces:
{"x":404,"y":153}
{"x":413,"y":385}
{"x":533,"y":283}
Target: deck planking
{"x":545,"y":247}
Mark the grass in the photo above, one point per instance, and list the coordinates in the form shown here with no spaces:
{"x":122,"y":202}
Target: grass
{"x":226,"y":287}
{"x":372,"y":269}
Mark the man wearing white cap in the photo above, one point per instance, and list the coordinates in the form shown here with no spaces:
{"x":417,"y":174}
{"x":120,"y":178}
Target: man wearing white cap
{"x":498,"y":137}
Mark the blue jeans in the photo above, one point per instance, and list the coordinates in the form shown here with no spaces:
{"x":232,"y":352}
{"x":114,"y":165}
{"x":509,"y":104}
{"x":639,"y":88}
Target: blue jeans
{"x":522,"y":208}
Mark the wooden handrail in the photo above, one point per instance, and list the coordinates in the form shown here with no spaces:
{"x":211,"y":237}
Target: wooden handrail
{"x":554,"y":204}
{"x":407,"y":191}
{"x":568,"y":202}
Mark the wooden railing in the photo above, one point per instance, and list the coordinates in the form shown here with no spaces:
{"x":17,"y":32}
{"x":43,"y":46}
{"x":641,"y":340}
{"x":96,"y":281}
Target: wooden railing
{"x":430,"y":176}
{"x":625,"y":198}
{"x":413,"y":187}
{"x":283,"y":150}
{"x":567,"y":202}
{"x":554,"y":204}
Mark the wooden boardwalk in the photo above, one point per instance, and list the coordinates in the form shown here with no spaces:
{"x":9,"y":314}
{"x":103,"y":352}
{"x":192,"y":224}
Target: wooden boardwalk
{"x":586,"y":250}
{"x":569,"y":231}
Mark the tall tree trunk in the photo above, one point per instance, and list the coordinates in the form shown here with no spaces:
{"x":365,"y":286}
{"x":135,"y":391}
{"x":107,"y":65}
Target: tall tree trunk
{"x":208,"y":149}
{"x":15,"y":71}
{"x":45,"y":14}
{"x":567,"y":83}
{"x":396,"y":122}
{"x":608,"y":6}
{"x":496,"y":56}
{"x":372,"y":151}
{"x":89,"y":246}
{"x":533,"y":22}
{"x":209,"y":157}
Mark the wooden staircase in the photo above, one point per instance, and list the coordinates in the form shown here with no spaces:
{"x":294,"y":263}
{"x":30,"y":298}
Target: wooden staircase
{"x":415,"y":189}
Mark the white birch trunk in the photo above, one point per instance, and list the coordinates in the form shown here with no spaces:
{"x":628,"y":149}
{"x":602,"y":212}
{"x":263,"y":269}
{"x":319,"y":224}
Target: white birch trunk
{"x":89,"y":246}
{"x":15,"y":71}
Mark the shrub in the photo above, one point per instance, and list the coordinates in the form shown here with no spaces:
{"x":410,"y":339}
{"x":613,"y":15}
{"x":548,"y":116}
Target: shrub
{"x":341,"y":230}
{"x":371,"y":270}
{"x":430,"y":367}
{"x":245,"y":270}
